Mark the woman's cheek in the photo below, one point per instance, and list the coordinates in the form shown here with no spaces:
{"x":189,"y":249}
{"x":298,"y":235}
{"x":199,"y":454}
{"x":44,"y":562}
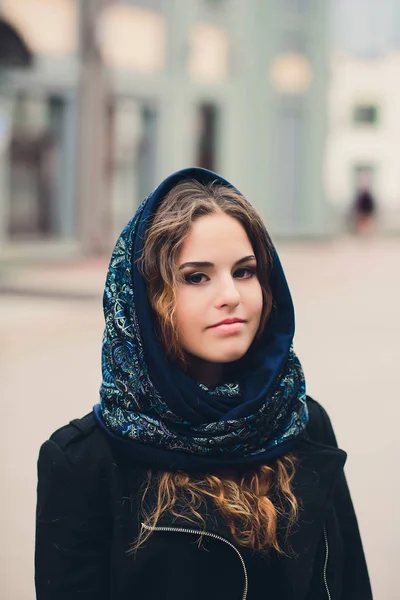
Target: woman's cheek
{"x":257,"y":296}
{"x":187,"y":309}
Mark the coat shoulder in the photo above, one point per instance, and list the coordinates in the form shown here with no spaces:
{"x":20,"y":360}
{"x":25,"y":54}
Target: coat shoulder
{"x":81,"y":441}
{"x":319,"y":427}
{"x":75,"y":431}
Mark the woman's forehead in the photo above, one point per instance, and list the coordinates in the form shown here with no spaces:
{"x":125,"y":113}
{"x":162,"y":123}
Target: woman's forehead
{"x":213,"y":236}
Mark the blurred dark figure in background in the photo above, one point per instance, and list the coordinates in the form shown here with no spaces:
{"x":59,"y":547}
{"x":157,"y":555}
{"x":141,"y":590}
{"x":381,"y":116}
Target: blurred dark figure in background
{"x":364,"y":211}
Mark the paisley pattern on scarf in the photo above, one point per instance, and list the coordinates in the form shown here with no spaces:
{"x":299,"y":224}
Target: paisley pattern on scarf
{"x":230,"y":390}
{"x":132,"y":408}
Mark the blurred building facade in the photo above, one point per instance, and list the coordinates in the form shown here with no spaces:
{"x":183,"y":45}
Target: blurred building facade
{"x":121,"y":93}
{"x":363,"y":116}
{"x":364,"y":133}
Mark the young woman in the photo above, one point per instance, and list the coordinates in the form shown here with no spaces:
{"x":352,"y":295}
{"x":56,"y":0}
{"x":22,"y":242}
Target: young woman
{"x":205,"y":472}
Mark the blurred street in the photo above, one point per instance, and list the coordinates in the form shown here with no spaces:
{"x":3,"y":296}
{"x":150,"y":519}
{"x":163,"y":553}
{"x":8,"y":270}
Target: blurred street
{"x":347,"y":298}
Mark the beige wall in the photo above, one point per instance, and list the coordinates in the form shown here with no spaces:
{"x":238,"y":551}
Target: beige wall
{"x":48,"y":26}
{"x":133,"y":38}
{"x":208,"y":53}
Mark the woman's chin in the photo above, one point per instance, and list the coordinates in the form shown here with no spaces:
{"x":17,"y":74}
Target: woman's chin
{"x":227,"y":357}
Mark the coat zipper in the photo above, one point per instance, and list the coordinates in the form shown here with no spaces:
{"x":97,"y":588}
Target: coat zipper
{"x":211,"y":535}
{"x":326,"y":563}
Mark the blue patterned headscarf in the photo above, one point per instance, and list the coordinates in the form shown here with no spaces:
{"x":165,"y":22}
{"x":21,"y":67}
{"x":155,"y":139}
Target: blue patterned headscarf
{"x":153,"y":411}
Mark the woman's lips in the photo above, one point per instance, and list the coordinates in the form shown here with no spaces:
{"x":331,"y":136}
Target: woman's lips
{"x":229,"y":328}
{"x":228,"y":320}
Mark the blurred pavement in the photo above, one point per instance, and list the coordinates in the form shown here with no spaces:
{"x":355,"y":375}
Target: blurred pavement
{"x":347,"y":298}
{"x":74,"y":279}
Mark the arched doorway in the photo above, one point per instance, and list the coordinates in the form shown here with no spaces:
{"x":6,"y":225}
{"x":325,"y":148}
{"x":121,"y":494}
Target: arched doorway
{"x":14,"y":52}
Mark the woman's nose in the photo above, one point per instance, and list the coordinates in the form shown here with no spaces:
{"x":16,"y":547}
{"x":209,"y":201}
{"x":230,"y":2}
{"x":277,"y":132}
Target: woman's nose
{"x":228,"y":293}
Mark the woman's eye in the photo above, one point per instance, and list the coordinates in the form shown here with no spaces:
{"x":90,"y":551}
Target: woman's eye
{"x":195,"y":278}
{"x":245,"y":272}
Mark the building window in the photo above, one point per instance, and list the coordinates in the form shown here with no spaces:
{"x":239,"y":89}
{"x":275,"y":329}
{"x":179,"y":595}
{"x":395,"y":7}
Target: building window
{"x":36,"y":167}
{"x":207,"y":136}
{"x":365,"y":114}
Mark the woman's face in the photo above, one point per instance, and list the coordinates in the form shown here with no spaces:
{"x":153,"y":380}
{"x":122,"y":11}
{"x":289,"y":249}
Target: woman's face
{"x":219,"y":300}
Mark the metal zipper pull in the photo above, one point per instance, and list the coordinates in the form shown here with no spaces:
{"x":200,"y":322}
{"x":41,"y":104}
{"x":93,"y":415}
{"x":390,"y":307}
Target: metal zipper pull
{"x":211,"y":535}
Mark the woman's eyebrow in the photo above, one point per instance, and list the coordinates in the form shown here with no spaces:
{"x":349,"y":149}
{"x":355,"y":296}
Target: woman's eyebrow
{"x":209,"y":264}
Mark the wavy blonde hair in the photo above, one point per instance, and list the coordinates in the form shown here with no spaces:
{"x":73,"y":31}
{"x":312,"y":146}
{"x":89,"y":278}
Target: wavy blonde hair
{"x":252,"y":501}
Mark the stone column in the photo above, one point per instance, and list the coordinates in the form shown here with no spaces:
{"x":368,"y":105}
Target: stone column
{"x":93,"y":211}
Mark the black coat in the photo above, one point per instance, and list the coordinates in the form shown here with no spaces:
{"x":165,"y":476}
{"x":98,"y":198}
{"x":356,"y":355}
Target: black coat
{"x":88,"y":515}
